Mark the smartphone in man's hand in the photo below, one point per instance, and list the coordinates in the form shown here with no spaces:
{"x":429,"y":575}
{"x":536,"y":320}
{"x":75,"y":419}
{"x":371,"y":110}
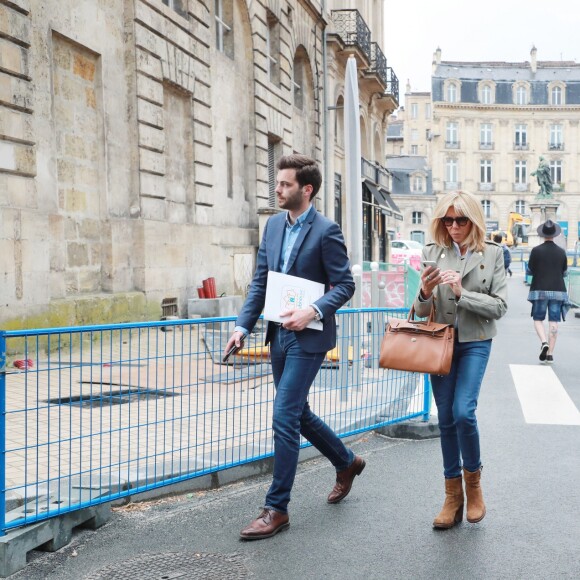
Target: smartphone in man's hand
{"x":233,"y":350}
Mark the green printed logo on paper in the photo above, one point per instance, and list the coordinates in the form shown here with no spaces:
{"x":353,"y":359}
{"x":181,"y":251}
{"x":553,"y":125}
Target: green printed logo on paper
{"x":293,"y":298}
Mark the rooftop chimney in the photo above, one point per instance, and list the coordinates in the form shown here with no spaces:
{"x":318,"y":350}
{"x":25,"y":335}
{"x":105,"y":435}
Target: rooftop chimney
{"x":436,"y":59}
{"x":408,"y":87}
{"x":533,"y":61}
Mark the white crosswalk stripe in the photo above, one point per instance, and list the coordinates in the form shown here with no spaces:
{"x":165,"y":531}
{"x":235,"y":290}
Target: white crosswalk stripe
{"x":543,"y":398}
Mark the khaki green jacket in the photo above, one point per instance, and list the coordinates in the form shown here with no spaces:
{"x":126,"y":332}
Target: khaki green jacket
{"x":483,"y":298}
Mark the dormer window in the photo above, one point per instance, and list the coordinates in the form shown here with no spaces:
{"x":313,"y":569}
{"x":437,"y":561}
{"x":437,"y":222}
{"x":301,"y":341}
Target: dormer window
{"x":557,"y":93}
{"x":485,"y":95}
{"x":521,"y":96}
{"x":452,"y":93}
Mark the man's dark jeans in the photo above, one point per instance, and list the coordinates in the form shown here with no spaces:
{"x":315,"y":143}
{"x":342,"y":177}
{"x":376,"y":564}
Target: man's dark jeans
{"x":294,"y":371}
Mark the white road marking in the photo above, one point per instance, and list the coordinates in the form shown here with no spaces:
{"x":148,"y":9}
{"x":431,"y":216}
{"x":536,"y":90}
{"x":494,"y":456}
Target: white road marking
{"x":542,"y":396}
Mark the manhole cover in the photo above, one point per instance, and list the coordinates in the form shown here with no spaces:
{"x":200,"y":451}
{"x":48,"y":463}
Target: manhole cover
{"x":174,"y":566}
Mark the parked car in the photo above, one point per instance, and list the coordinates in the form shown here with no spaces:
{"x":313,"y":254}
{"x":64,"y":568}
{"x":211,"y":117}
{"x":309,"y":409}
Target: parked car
{"x":406,"y":251}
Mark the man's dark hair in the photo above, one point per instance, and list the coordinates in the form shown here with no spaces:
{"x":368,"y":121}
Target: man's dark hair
{"x":498,"y":238}
{"x":307,"y":171}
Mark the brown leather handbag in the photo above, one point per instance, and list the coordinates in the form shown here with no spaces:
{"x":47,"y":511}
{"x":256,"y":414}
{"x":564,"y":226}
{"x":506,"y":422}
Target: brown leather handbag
{"x":420,"y":346}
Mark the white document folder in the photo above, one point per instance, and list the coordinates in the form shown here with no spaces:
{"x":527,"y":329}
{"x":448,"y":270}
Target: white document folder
{"x":285,"y":292}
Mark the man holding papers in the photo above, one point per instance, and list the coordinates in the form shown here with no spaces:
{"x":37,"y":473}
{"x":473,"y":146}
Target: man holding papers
{"x":301,"y":243}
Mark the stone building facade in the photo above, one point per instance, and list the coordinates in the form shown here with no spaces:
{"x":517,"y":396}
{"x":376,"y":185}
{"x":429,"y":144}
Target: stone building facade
{"x":138,"y":140}
{"x":412,"y":191}
{"x":492,"y":121}
{"x":359,"y":33}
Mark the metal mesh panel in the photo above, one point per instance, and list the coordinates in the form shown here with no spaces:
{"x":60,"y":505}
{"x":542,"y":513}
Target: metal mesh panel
{"x":97,"y":413}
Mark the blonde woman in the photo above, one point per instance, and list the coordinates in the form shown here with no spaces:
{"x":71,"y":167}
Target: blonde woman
{"x":468,"y":284}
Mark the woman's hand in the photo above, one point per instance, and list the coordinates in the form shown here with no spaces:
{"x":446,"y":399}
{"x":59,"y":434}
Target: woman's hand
{"x":453,"y":279}
{"x":430,"y":277}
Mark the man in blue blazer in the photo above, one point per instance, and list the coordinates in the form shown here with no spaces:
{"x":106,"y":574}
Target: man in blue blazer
{"x":300,"y":242}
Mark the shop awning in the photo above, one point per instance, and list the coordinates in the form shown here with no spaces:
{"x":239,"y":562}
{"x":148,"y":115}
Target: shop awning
{"x":377,"y":194}
{"x":391,"y":203}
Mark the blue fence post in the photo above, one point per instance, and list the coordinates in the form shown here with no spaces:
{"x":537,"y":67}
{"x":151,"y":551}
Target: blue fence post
{"x":2,"y":432}
{"x":426,"y":397}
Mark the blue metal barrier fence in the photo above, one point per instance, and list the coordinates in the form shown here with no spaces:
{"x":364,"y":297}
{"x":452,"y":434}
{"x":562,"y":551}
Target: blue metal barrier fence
{"x":93,"y":414}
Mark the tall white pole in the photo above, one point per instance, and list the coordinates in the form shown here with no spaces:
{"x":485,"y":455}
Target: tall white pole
{"x":352,"y":154}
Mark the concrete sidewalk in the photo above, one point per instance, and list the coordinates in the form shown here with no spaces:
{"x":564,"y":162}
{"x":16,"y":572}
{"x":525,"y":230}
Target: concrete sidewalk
{"x":383,"y":528}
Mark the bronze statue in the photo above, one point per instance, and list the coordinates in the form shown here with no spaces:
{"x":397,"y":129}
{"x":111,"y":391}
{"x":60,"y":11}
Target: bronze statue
{"x":544,"y":178}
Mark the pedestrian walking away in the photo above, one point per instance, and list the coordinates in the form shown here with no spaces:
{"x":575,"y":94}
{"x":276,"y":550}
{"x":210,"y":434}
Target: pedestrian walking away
{"x":507,"y":257}
{"x":548,"y":265}
{"x":300,"y":242}
{"x":468,"y":285}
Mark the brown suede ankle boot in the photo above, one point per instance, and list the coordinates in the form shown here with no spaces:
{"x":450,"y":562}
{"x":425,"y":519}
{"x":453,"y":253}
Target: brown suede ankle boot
{"x":452,"y":511}
{"x":475,"y":505}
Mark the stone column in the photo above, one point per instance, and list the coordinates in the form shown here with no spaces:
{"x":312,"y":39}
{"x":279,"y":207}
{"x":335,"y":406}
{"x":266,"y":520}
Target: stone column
{"x":541,"y":209}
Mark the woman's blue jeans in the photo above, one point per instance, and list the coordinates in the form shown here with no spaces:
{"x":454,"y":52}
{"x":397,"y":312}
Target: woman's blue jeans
{"x":456,"y":397}
{"x":294,"y":371}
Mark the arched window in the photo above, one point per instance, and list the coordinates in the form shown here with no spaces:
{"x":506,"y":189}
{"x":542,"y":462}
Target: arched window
{"x":273,"y":48}
{"x":339,"y":121}
{"x":297,"y":81}
{"x":417,"y":184}
{"x":452,"y":93}
{"x":486,"y":95}
{"x":556,"y":96}
{"x":521,"y":95}
{"x":486,"y":207}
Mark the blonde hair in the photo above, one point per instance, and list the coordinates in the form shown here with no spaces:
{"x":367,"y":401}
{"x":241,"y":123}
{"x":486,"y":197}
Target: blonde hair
{"x":465,"y":204}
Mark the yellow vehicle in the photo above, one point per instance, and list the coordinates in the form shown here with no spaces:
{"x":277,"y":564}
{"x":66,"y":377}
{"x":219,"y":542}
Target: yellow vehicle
{"x":517,"y":230}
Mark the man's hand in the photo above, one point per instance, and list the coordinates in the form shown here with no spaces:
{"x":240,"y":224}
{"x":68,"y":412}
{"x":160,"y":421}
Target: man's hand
{"x":297,"y":320}
{"x":236,"y":338}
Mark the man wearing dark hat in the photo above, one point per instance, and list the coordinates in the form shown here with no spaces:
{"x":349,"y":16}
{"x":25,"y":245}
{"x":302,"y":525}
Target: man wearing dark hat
{"x":548,"y":265}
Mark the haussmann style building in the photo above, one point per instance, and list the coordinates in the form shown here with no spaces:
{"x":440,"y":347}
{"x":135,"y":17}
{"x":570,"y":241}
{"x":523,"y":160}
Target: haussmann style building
{"x":492,"y":121}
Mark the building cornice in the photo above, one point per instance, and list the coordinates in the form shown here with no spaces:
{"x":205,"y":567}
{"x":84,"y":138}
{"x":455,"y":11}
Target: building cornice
{"x":315,"y":10}
{"x":506,"y":107}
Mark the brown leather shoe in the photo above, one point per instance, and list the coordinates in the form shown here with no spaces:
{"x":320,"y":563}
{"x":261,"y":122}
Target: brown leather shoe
{"x":344,"y":480}
{"x":266,"y":525}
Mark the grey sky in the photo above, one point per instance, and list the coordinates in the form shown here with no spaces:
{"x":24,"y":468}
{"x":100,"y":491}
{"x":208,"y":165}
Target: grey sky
{"x":468,"y":30}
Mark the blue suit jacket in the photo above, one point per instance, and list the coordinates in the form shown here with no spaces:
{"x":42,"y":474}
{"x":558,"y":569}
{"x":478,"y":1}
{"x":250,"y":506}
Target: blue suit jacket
{"x":319,"y":254}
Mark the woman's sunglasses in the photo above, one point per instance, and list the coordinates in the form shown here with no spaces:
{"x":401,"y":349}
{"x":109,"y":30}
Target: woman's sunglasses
{"x":460,"y":221}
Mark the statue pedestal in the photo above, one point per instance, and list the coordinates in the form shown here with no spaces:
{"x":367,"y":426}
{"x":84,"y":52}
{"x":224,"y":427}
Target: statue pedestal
{"x":541,"y":209}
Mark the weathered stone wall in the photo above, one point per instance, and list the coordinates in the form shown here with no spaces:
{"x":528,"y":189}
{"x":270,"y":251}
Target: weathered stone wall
{"x":133,"y":153}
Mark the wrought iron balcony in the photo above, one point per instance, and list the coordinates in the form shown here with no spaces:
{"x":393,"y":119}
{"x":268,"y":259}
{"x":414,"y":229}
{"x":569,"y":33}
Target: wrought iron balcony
{"x":521,"y":146}
{"x":352,"y":29}
{"x":392,"y":85}
{"x":379,"y":64}
{"x":452,"y":144}
{"x":486,"y":186}
{"x":488,"y":145}
{"x":556,"y":146}
{"x":451,"y":185}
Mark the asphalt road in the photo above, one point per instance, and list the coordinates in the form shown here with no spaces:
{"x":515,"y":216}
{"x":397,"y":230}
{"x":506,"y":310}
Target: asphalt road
{"x":531,"y":482}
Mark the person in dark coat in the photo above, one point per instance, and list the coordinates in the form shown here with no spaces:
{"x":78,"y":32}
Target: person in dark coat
{"x":507,"y":257}
{"x":548,"y":264}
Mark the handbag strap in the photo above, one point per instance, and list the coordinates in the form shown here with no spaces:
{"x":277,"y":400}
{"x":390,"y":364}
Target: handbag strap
{"x":432,"y":312}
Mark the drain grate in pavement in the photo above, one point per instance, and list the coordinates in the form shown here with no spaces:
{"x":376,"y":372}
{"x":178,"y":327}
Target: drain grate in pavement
{"x":175,"y":566}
